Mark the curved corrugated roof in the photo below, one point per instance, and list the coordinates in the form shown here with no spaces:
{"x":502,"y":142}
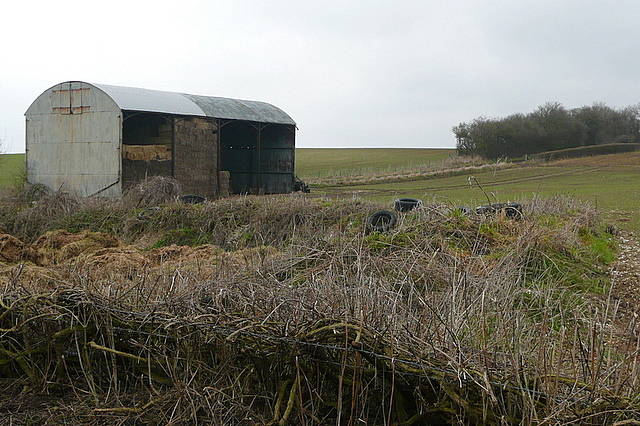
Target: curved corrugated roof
{"x":136,"y":99}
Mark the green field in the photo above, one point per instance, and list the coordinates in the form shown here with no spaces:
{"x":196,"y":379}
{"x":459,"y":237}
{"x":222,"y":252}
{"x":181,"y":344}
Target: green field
{"x":610,"y":182}
{"x":11,"y":169}
{"x":319,"y":162}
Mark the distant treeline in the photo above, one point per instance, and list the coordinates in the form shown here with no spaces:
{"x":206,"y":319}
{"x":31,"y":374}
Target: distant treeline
{"x":550,"y":127}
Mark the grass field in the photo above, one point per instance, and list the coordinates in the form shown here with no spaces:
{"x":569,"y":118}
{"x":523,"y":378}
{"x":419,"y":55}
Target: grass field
{"x":11,"y":168}
{"x":609,"y":182}
{"x":319,"y":163}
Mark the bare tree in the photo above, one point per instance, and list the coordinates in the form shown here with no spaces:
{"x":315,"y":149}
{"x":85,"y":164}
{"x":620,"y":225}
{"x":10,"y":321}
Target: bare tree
{"x":2,"y":152}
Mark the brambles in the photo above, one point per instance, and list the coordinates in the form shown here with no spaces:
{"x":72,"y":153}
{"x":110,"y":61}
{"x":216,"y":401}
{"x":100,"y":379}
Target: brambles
{"x":153,"y":191}
{"x":287,"y":310}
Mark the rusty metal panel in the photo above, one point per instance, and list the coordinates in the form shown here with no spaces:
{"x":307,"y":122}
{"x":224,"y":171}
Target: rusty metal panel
{"x":76,"y":149}
{"x":61,"y":99}
{"x":79,"y":92}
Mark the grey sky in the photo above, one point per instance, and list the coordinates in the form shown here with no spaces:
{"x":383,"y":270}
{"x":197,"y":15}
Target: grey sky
{"x":351,"y":74}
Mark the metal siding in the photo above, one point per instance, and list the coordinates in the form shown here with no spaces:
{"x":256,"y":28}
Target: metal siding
{"x":258,"y":160}
{"x":235,"y":109}
{"x":241,"y":183}
{"x":277,"y":155}
{"x":276,"y":161}
{"x":135,"y":99}
{"x":77,"y":152}
{"x":279,"y":184}
{"x":276,"y":170}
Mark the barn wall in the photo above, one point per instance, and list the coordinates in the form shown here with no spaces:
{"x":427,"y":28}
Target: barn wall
{"x":196,"y":155}
{"x":73,"y":140}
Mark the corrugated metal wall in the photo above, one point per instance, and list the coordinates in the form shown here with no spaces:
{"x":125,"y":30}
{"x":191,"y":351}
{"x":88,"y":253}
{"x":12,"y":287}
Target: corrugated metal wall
{"x":259,"y":157}
{"x":277,"y":154}
{"x":73,"y":140}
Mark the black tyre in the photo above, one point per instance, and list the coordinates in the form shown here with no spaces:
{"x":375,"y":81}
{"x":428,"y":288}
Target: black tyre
{"x":382,"y":221}
{"x":147,"y":213}
{"x":513,"y":210}
{"x":299,"y":185}
{"x":407,"y":204}
{"x":466,"y":211}
{"x":191,"y":199}
{"x":510,"y":210}
{"x":497,"y":207}
{"x":485,"y":209}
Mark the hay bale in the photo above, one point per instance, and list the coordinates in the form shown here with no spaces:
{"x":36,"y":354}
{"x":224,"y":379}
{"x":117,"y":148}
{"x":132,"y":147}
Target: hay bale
{"x":146,"y":152}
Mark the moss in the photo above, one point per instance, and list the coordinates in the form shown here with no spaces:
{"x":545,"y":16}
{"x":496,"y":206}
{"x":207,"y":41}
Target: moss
{"x":182,"y":237}
{"x":377,"y":242}
{"x":100,"y":220}
{"x":577,"y":267}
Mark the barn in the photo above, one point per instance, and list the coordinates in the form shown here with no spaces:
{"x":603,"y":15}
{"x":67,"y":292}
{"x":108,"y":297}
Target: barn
{"x":100,"y":140}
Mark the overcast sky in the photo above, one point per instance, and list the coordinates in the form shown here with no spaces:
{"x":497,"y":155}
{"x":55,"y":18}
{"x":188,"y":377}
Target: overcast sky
{"x":379,"y":73}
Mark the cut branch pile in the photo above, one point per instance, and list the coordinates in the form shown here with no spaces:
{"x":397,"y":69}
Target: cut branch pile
{"x":225,"y":368}
{"x":293,"y":314}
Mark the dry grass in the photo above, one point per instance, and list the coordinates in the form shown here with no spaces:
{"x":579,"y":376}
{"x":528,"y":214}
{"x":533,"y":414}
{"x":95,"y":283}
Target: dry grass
{"x":452,"y":167}
{"x":286,"y":310}
{"x":153,"y":191}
